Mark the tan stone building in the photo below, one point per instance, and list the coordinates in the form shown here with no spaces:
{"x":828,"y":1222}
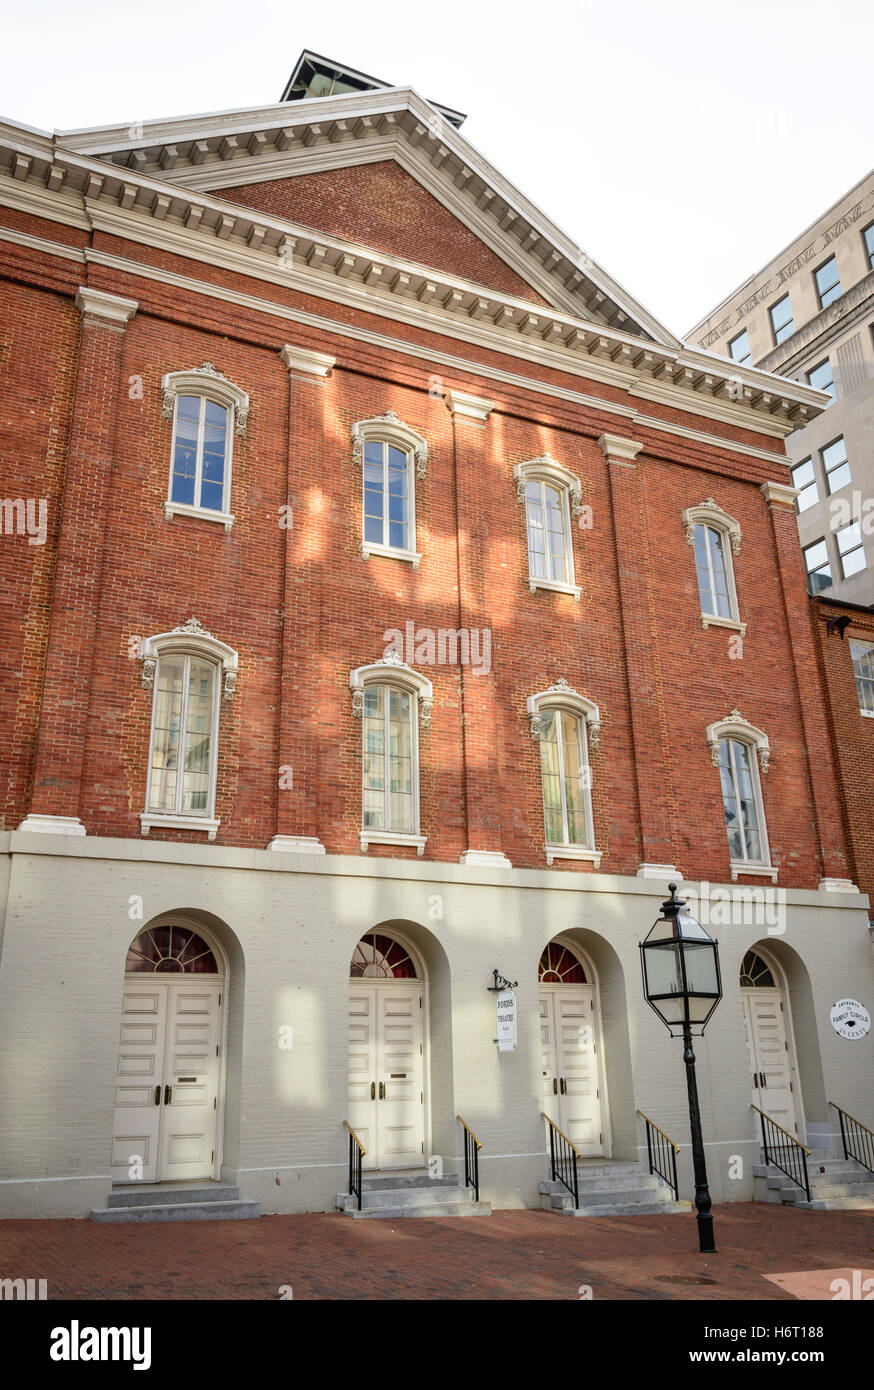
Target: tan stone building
{"x":809,"y":315}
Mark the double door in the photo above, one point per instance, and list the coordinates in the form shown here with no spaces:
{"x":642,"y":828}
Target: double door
{"x":386,"y":1072}
{"x":167,"y":1079}
{"x":571,"y":1091}
{"x":770,"y":1061}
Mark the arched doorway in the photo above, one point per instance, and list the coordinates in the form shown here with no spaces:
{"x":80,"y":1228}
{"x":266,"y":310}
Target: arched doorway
{"x":386,"y":1051}
{"x":169,"y":1075}
{"x":568,"y":1033}
{"x":770,"y":1044}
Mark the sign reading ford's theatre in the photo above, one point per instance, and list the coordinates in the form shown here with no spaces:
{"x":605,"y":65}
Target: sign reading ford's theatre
{"x":850,"y":1019}
{"x":506,"y":1015}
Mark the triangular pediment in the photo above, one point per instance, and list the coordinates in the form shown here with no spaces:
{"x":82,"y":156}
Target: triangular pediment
{"x":485,"y":230}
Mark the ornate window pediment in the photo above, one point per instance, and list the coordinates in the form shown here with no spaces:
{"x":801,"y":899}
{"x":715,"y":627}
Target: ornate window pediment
{"x":561,"y":695}
{"x":189,"y":637}
{"x":550,"y":470}
{"x":735,"y":726}
{"x":390,"y":428}
{"x":205,"y":380}
{"x":709,"y":513}
{"x":392,"y":670}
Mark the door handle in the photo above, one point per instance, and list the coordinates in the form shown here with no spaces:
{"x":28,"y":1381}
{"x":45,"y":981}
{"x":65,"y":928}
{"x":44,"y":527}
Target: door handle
{"x":764,"y":1081}
{"x":168,"y":1094}
{"x":554,"y":1087}
{"x":563,"y":1086}
{"x":373,"y":1090}
{"x":157,"y":1095}
{"x":382,"y":1090}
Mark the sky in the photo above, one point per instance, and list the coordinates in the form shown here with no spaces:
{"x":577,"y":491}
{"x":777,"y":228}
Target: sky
{"x":681,"y":144}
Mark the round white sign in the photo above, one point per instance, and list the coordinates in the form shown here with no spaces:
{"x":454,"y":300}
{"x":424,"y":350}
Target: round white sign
{"x":850,"y":1019}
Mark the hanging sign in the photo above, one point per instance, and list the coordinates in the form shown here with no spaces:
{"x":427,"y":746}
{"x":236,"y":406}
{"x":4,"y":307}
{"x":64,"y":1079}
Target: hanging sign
{"x":850,"y":1019}
{"x":505,"y":1007}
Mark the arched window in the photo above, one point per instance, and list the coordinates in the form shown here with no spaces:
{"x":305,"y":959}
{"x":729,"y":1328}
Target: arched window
{"x":550,"y":494}
{"x":391,"y":457}
{"x":559,"y":966}
{"x":170,"y":950}
{"x":755,"y":974}
{"x":186,"y":669}
{"x":206,"y":410}
{"x":381,"y":957}
{"x":734,"y":745}
{"x":563,"y":722}
{"x":714,"y":537}
{"x":391,"y":699}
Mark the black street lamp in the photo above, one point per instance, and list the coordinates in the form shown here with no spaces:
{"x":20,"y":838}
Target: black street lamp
{"x":682,"y":983}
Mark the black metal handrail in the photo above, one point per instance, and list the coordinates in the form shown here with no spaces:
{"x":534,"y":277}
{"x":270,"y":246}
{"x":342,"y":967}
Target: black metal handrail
{"x":472,"y":1147}
{"x":563,"y":1159}
{"x":857,"y":1139}
{"x":784,"y":1151}
{"x":356,"y":1153}
{"x":662,"y":1153}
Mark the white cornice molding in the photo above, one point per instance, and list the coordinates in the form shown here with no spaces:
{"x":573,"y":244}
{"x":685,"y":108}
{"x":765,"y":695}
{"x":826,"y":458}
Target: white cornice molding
{"x":470,"y":410}
{"x":97,"y":304}
{"x":779,"y":493}
{"x":305,"y":362}
{"x":616,"y":449}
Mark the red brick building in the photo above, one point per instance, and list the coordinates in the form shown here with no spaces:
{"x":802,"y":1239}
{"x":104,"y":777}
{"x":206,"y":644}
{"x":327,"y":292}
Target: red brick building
{"x":372,"y":560}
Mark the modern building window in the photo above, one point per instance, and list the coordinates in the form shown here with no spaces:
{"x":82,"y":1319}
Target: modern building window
{"x":782,"y":323}
{"x":207,"y":411}
{"x":387,"y":495}
{"x":834,"y":461}
{"x":862,"y":655}
{"x":550,"y":494}
{"x":852,"y":555}
{"x":804,"y":479}
{"x":819,"y":571}
{"x":390,"y":774}
{"x":741,"y":797}
{"x":739,"y":349}
{"x":828,"y":284}
{"x":392,"y":457}
{"x":868,"y":239}
{"x":822,"y":377}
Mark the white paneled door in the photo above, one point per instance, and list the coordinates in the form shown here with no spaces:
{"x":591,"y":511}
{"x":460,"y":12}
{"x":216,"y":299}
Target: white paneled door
{"x":386,"y":1072}
{"x":167,"y":1079}
{"x":571,"y":1094}
{"x":769,"y":1057}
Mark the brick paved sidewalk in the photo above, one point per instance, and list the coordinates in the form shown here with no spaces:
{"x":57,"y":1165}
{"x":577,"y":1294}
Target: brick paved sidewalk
{"x":510,"y":1255}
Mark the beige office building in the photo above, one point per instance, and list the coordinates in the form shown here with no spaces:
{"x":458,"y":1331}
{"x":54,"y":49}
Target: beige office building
{"x":809,"y":315}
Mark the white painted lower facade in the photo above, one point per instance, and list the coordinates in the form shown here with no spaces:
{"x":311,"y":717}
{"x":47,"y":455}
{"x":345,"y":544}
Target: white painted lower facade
{"x":300,"y":1045}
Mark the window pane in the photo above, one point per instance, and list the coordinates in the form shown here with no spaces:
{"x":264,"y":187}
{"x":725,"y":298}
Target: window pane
{"x":573,"y":775}
{"x":849,"y":537}
{"x":739,"y":348}
{"x":838,"y":477}
{"x":185,"y":449}
{"x":536,"y":531}
{"x":868,"y":236}
{"x":165,"y":747}
{"x":781,"y":319}
{"x":821,"y":378}
{"x":198,"y":733}
{"x":400,"y":761}
{"x":555,"y":527}
{"x":862,"y":655}
{"x":551,"y":779}
{"x":854,"y":562}
{"x":827,"y":283}
{"x":834,"y":458}
{"x":373,"y":733}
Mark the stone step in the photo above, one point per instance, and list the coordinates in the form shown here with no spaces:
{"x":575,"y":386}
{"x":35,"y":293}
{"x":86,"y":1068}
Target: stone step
{"x":391,"y":1182}
{"x":159,"y":1194}
{"x":406,"y":1196}
{"x":608,"y":1167}
{"x":628,"y":1209}
{"x":855,"y":1203}
{"x":179,"y":1211}
{"x":401,"y":1211}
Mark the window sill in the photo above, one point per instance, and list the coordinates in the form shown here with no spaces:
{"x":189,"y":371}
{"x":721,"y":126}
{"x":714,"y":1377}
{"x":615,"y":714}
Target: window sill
{"x":591,"y":856}
{"x":554,"y":587}
{"x":149,"y":820}
{"x":759,"y":870}
{"x":709,"y":620}
{"x":368,"y":548}
{"x":387,"y":837}
{"x":172,"y":509}
{"x":867,"y":713}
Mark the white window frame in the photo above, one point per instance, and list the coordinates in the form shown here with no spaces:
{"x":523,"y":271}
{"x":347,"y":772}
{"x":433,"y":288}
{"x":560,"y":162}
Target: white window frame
{"x":734,"y":726}
{"x":190,"y":639}
{"x":709,"y":513}
{"x":562,"y":698}
{"x":546,"y":469}
{"x":389,"y":429}
{"x":209,"y":384}
{"x":390,"y":670}
{"x":869,"y":646}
